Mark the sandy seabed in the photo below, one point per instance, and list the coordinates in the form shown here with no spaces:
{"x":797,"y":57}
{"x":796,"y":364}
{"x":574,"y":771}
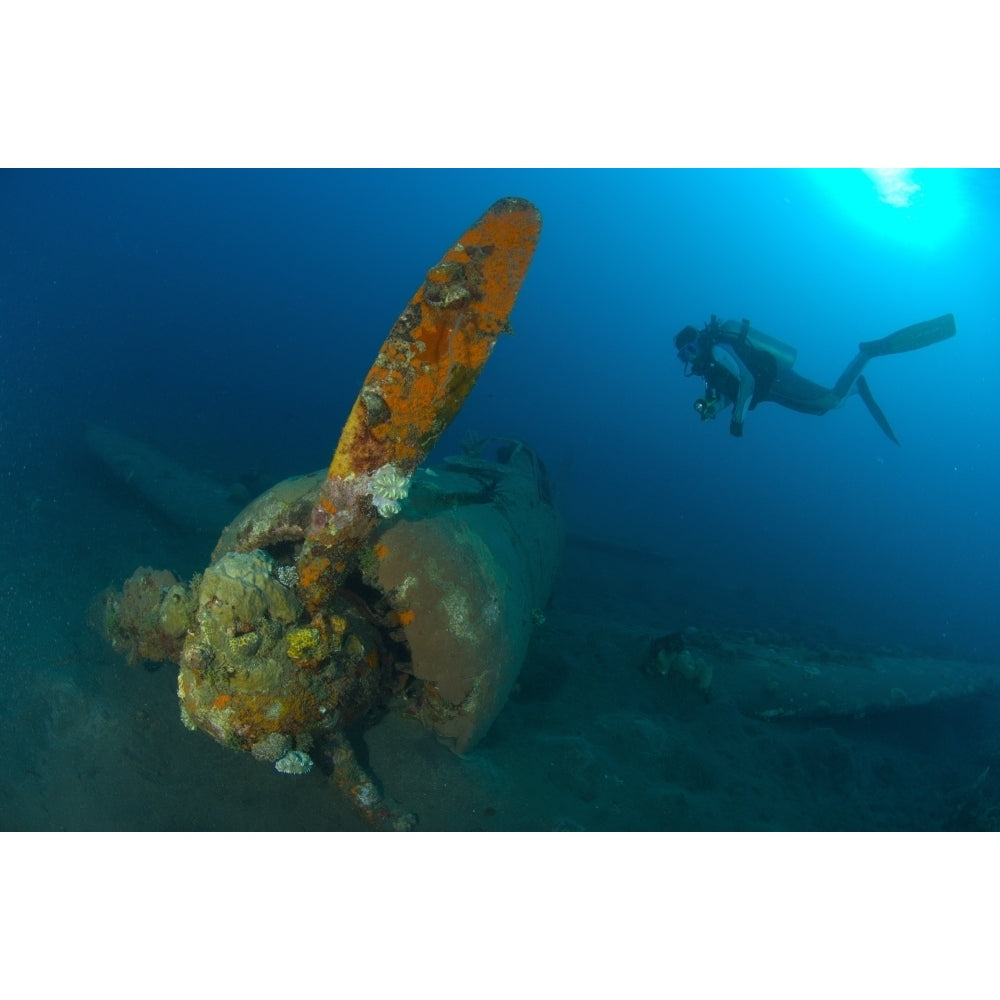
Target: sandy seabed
{"x":588,"y":740}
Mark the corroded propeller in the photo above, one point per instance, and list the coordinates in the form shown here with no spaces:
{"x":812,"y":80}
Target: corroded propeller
{"x":421,"y":376}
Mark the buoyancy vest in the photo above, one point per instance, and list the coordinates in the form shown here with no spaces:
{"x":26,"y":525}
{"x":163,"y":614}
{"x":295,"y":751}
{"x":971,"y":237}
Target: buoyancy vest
{"x":762,"y":354}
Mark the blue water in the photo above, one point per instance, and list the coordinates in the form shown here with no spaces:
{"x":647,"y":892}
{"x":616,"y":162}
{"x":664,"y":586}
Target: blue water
{"x":228,"y":317}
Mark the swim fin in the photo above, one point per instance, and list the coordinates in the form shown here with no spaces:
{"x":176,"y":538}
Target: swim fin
{"x":873,"y":408}
{"x":911,"y":338}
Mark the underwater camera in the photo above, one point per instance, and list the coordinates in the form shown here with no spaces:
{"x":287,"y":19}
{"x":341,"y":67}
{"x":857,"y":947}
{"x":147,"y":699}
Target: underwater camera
{"x":707,"y":407}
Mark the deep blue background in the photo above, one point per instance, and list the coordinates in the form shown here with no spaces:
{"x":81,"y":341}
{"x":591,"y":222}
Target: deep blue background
{"x":229,"y":317}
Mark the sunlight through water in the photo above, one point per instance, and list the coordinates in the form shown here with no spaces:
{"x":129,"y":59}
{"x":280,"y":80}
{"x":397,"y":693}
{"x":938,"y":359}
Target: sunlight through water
{"x":924,"y":209}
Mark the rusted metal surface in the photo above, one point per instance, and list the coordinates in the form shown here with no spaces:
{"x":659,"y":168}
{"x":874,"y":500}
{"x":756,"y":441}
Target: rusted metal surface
{"x":421,"y":376}
{"x":302,"y":623}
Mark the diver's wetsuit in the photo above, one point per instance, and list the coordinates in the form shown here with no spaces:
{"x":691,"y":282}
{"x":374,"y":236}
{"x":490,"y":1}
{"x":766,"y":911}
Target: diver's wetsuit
{"x":797,"y":393}
{"x":739,"y":369}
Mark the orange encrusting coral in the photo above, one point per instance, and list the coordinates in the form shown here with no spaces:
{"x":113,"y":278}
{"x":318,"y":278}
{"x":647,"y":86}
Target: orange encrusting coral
{"x":436,"y":350}
{"x":421,"y":376}
{"x":311,"y":571}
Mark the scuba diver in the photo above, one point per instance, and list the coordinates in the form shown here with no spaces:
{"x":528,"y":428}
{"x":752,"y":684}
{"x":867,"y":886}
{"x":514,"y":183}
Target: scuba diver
{"x":743,"y":367}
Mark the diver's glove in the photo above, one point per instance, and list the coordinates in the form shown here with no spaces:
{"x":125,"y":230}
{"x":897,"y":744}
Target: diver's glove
{"x":736,"y":428}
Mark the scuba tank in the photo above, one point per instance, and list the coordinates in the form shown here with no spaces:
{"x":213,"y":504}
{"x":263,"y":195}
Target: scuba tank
{"x":743,"y":332}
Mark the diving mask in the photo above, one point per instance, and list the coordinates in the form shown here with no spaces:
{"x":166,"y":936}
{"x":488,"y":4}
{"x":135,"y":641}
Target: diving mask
{"x":688,"y":353}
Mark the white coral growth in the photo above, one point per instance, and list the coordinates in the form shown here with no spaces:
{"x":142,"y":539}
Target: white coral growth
{"x":388,"y":487}
{"x":294,"y":762}
{"x":272,"y":748}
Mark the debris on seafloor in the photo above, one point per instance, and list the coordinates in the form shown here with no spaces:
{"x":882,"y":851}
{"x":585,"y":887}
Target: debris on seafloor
{"x":670,"y":655}
{"x":772,"y":676}
{"x":195,"y":504}
{"x":332,"y":595}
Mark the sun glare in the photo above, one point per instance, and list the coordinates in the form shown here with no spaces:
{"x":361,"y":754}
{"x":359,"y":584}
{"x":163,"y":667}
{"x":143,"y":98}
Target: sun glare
{"x":921,"y":208}
{"x":894,"y":186}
